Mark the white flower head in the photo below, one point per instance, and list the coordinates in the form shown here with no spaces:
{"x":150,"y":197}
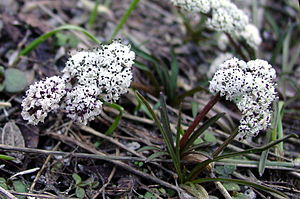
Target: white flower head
{"x":102,"y":73}
{"x":251,"y":86}
{"x":41,"y":98}
{"x":203,"y":6}
{"x":251,"y":35}
{"x":228,"y":18}
{"x":217,"y":62}
{"x":82,"y":104}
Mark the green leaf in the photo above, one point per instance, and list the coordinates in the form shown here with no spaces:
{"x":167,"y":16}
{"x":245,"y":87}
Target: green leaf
{"x":93,"y":14}
{"x":61,"y":39}
{"x":124,"y":18}
{"x":150,"y":195}
{"x":3,"y":183}
{"x":286,"y":50}
{"x":210,"y":137}
{"x":45,"y":36}
{"x":230,"y":186}
{"x":77,"y":178}
{"x":2,"y":77}
{"x":191,"y":92}
{"x":15,"y":80}
{"x":148,"y":148}
{"x":240,"y":196}
{"x":20,"y":187}
{"x":6,"y":157}
{"x":174,"y":74}
{"x":165,"y":135}
{"x":117,"y":120}
{"x":196,"y":190}
{"x":225,"y":170}
{"x":80,"y":193}
{"x":156,"y":155}
{"x":246,"y":183}
{"x":201,"y":130}
{"x":203,"y":164}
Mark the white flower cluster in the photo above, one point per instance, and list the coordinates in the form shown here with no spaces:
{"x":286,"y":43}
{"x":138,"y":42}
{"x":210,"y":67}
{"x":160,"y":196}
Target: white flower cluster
{"x":193,"y":5}
{"x":42,"y":97}
{"x":224,"y":16}
{"x":222,"y":57}
{"x":251,"y":86}
{"x":90,"y":77}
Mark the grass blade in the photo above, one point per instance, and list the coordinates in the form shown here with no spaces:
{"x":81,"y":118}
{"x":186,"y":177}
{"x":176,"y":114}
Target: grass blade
{"x":201,"y":130}
{"x":156,"y":155}
{"x":165,"y":121}
{"x":197,"y":169}
{"x":45,"y":36}
{"x":286,"y":50}
{"x":124,"y":18}
{"x":6,"y":157}
{"x":191,"y":92}
{"x":117,"y":120}
{"x":246,"y":183}
{"x":93,"y":15}
{"x":168,"y":137}
{"x":170,"y":145}
{"x":173,"y":76}
{"x":294,"y":58}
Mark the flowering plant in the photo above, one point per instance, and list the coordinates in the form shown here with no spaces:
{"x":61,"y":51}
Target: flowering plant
{"x":90,"y":78}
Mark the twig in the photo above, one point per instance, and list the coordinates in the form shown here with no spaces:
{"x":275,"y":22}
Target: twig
{"x":7,"y":194}
{"x":112,"y":173}
{"x":221,"y":188}
{"x":39,"y":195}
{"x":237,"y":47}
{"x":96,"y":133}
{"x":42,"y":169}
{"x":123,"y":165}
{"x":77,"y":155}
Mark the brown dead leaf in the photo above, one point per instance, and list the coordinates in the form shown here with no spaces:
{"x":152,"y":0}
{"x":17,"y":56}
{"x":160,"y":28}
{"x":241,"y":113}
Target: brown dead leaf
{"x":11,"y":135}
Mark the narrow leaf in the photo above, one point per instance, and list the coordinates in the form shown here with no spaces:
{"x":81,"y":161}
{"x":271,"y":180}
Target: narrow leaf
{"x":45,"y":36}
{"x":148,"y":148}
{"x":156,"y":155}
{"x":201,"y":130}
{"x":117,"y":120}
{"x":124,"y":18}
{"x":246,"y":183}
{"x":174,"y":74}
{"x":6,"y":157}
{"x":203,"y":164}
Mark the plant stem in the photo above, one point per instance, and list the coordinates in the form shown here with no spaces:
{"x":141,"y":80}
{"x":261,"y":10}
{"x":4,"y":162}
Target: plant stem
{"x":198,"y":118}
{"x":225,"y":143}
{"x":237,"y":47}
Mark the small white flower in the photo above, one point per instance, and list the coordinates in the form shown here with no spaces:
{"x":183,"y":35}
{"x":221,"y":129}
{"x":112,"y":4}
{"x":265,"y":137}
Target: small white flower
{"x":218,"y":61}
{"x":251,"y":35}
{"x":82,"y":104}
{"x":41,"y":98}
{"x":223,"y":41}
{"x":193,"y":5}
{"x":228,"y":18}
{"x":223,"y":15}
{"x":102,"y":73}
{"x":251,"y":86}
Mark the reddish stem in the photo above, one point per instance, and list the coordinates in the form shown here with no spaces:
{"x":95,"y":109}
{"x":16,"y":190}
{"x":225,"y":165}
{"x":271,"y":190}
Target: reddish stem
{"x":198,"y":118}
